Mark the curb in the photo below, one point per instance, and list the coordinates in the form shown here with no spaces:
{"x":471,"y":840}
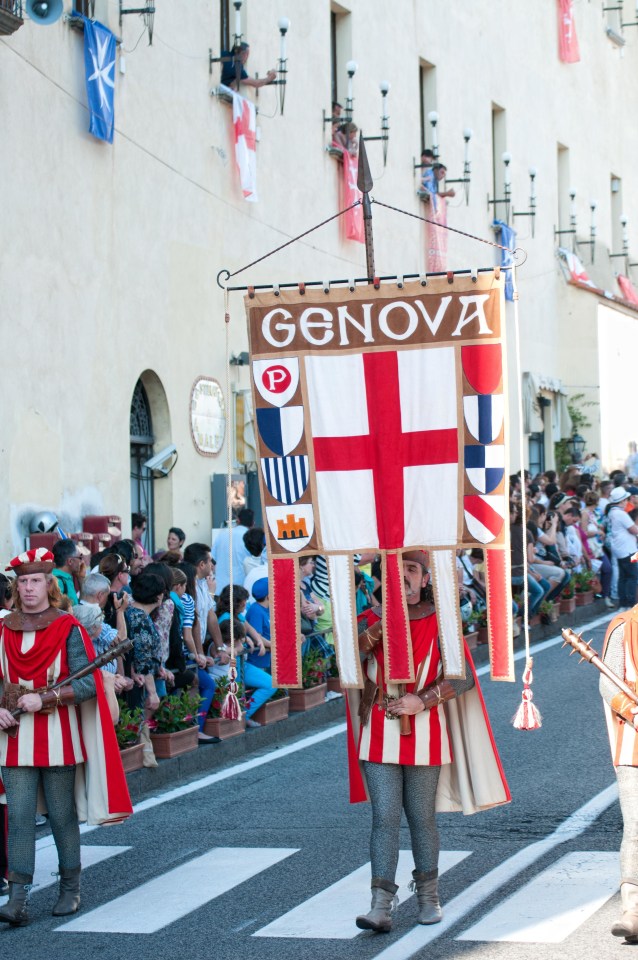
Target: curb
{"x":189,"y":766}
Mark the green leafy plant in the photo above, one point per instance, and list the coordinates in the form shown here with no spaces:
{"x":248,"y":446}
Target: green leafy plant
{"x":547,"y":611}
{"x":478,"y":618}
{"x":567,"y":592}
{"x":313,"y":669}
{"x":176,"y":712}
{"x":332,"y":669}
{"x":127,"y":728}
{"x":583,"y":581}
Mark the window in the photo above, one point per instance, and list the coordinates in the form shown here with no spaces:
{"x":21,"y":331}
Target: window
{"x":564,"y":187}
{"x":617,"y":229}
{"x":84,"y":7}
{"x":427,"y":94}
{"x":536,"y":459}
{"x":340,"y":51}
{"x":499,"y":146}
{"x":224,"y":24}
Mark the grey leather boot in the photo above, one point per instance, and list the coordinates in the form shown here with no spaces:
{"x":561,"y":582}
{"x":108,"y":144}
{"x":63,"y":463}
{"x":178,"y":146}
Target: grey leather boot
{"x":384,"y":901}
{"x":426,"y":887}
{"x":627,"y":926}
{"x":16,"y":911}
{"x":69,"y":896}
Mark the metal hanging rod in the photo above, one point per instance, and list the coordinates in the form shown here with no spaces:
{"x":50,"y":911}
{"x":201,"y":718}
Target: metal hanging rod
{"x":450,"y":274}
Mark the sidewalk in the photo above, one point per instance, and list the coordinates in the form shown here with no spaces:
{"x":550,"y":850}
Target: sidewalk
{"x":191,"y":765}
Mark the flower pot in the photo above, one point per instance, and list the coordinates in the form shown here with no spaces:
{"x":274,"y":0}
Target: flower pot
{"x":272,"y":711}
{"x":482,"y":636}
{"x":567,"y":604}
{"x":334,"y":684}
{"x":167,"y":745}
{"x":225,"y":729}
{"x":582,"y":599}
{"x":131,"y":757}
{"x":471,"y":639}
{"x":307,"y":699}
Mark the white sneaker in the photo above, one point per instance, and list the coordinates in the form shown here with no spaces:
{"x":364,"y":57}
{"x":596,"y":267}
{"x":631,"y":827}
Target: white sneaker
{"x":252,"y":723}
{"x":609,"y":603}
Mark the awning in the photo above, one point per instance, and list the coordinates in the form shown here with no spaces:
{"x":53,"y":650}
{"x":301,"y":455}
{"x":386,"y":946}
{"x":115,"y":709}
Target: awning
{"x":534,"y":386}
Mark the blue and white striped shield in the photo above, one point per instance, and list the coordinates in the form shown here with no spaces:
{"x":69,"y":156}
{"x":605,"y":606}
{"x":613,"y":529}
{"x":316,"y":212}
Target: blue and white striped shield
{"x":484,"y":416}
{"x":285,"y":477}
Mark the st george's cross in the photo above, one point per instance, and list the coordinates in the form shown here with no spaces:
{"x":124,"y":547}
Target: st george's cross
{"x":380,"y":422}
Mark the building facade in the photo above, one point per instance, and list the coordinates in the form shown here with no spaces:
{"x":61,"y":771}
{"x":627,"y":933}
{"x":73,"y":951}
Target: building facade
{"x":113,"y":322}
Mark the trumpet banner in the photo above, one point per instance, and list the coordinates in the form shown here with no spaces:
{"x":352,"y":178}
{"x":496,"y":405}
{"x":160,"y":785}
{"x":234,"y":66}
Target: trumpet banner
{"x":382,"y":425}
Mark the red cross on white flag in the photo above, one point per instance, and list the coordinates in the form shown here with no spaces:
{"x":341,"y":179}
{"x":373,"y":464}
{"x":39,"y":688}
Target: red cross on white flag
{"x":245,"y":126}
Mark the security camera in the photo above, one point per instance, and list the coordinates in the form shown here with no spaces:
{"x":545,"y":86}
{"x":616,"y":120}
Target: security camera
{"x":160,"y":460}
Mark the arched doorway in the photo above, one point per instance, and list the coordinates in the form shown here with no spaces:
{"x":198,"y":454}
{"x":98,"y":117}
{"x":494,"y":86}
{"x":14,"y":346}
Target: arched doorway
{"x":142,"y":440}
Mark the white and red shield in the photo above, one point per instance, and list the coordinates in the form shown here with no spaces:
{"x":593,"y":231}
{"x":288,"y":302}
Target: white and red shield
{"x":277,"y":380}
{"x":484,"y":516}
{"x":292,"y":527}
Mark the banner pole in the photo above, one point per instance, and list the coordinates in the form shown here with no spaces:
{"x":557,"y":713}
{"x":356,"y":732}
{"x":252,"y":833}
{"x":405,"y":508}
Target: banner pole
{"x":365,"y":184}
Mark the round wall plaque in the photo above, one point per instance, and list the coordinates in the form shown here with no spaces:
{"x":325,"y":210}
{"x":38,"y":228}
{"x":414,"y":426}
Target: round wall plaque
{"x":208,"y":416}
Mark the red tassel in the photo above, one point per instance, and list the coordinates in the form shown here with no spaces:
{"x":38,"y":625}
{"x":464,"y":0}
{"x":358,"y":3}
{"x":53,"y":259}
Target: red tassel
{"x":527,"y":717}
{"x":230,"y":708}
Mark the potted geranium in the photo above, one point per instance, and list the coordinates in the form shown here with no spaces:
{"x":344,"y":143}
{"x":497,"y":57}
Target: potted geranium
{"x":218,"y":726}
{"x":277,"y":708}
{"x":174,"y":727}
{"x":479,"y":619}
{"x":583,"y":586}
{"x":127,"y":731}
{"x":548,"y":611}
{"x":314,"y":686}
{"x":567,"y":601}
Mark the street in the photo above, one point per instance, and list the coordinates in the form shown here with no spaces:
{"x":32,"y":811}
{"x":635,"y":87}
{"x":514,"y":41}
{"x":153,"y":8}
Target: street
{"x":267,"y":859}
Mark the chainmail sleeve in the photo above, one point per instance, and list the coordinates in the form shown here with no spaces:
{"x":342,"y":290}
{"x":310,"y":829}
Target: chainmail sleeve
{"x":462,"y":686}
{"x":83,"y":689}
{"x":614,"y":659}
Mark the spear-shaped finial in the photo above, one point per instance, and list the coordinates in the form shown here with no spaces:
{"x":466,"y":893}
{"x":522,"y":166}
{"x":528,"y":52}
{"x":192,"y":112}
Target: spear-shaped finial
{"x":365,"y":183}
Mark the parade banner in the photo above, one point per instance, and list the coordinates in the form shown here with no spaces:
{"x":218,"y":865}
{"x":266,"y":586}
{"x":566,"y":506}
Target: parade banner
{"x":382,"y":425}
{"x":568,"y":49}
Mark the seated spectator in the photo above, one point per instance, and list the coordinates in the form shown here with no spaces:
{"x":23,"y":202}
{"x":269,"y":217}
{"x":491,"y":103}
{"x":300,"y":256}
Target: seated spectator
{"x":521,"y":539}
{"x":569,"y":480}
{"x":568,"y":540}
{"x":233,"y":72}
{"x":240,"y":598}
{"x":254,"y":678}
{"x":196,"y":660}
{"x":117,"y":572}
{"x":198,"y":554}
{"x":143,"y":663}
{"x":255,"y":543}
{"x":138,"y":531}
{"x":546,"y":561}
{"x":96,"y":590}
{"x":180,"y":641}
{"x":90,"y":616}
{"x":258,"y":616}
{"x":162,"y":617}
{"x":174,"y":543}
{"x":69,"y":568}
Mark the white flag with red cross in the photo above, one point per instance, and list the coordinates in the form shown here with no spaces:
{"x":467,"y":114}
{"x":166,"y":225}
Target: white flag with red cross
{"x":381,"y":427}
{"x":245,"y":131}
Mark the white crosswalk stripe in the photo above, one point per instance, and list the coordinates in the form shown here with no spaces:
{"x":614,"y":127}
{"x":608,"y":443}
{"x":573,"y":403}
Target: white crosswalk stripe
{"x":554,"y":904}
{"x":330,"y":914}
{"x":46,"y":863}
{"x":171,"y":896}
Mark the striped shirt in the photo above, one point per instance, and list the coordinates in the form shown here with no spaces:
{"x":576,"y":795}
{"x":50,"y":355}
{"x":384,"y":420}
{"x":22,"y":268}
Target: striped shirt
{"x":428,"y":743}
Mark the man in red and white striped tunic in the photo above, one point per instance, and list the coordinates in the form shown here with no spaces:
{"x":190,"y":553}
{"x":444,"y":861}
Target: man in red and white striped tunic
{"x":58,"y":733}
{"x":404,"y":749}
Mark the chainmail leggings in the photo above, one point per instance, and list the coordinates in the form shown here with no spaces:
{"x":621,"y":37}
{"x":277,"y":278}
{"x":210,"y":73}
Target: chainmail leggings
{"x":394,"y":788}
{"x":21,"y":785}
{"x":628,"y":793}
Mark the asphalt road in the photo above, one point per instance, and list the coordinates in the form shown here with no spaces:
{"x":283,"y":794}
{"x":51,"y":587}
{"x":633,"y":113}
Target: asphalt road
{"x":225,"y":860}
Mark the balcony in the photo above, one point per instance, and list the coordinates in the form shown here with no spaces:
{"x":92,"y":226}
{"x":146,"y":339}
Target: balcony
{"x":10,"y":16}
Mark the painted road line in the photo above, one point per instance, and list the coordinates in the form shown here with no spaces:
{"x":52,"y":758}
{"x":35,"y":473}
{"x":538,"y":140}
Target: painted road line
{"x":171,"y":896}
{"x":46,"y":864}
{"x":554,"y":904}
{"x":479,"y":891}
{"x":330,"y":914}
